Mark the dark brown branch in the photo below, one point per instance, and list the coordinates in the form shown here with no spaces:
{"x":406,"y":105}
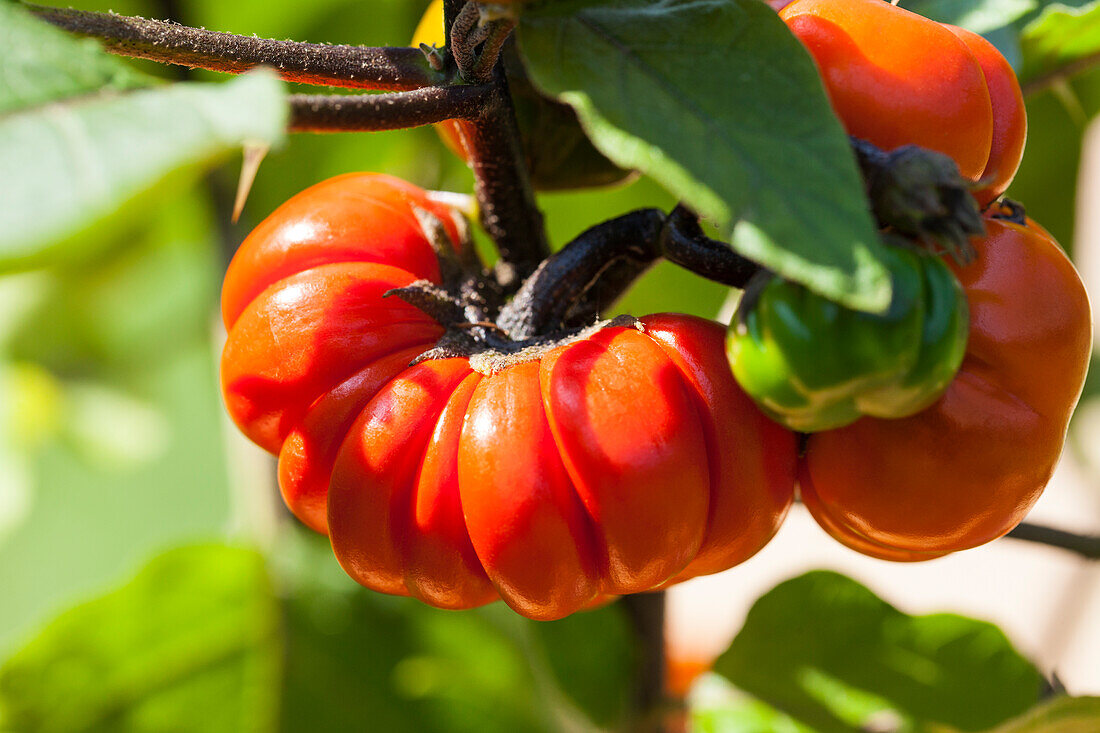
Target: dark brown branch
{"x":394,"y":111}
{"x":684,"y":243}
{"x":1087,"y":546}
{"x":357,"y":67}
{"x":502,"y":184}
{"x":550,"y":294}
{"x":646,"y":613}
{"x":586,"y":275}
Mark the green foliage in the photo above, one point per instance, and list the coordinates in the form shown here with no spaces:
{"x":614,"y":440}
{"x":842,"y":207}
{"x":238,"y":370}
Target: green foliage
{"x":591,"y":657}
{"x":111,"y":446}
{"x":1062,"y":715}
{"x":1060,"y":37}
{"x":98,"y":163}
{"x":829,"y":653}
{"x":203,"y":640}
{"x":980,"y":16}
{"x":743,"y":715}
{"x":40,"y":64}
{"x":190,"y":644}
{"x":720,"y":104}
{"x":113,"y":372}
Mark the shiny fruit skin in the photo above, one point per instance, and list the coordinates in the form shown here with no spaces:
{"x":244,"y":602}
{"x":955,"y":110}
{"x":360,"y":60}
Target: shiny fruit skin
{"x":897,"y":78}
{"x":812,"y":364}
{"x":967,"y":470}
{"x":618,"y":461}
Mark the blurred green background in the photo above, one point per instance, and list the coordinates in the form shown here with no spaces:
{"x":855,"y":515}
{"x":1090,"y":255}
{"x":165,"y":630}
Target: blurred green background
{"x":114,"y":449}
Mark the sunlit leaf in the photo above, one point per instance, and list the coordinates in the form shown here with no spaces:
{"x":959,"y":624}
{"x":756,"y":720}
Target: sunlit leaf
{"x":1060,"y":41}
{"x":354,"y":655}
{"x":40,"y":64}
{"x":717,"y":101}
{"x":90,"y":163}
{"x":826,"y":651}
{"x":192,"y":643}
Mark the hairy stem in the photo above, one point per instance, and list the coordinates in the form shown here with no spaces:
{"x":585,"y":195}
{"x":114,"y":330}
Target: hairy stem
{"x":646,"y":612}
{"x":357,"y":67}
{"x":502,"y":184}
{"x":1087,"y":546}
{"x":496,"y":34}
{"x":560,"y":282}
{"x":606,"y":258}
{"x":394,"y":111}
{"x":451,"y":11}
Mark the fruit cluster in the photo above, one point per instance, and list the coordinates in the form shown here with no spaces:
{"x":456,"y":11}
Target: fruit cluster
{"x":912,"y":456}
{"x":556,"y":470}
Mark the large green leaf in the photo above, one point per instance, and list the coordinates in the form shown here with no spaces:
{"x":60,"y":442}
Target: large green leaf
{"x":40,"y":64}
{"x":191,"y":644}
{"x":359,"y":660}
{"x":1063,"y":715}
{"x":1059,"y":40}
{"x":90,"y":163}
{"x":718,"y":102}
{"x":829,"y":653}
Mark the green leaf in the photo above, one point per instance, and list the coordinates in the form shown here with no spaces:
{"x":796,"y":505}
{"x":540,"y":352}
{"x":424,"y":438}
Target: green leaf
{"x":93,"y":163}
{"x":1059,"y":39}
{"x":591,"y":657}
{"x":40,"y":64}
{"x":718,"y":102}
{"x":1063,"y":715}
{"x":355,"y":656}
{"x":742,"y":715}
{"x":980,"y":16}
{"x":191,"y":644}
{"x":828,"y":652}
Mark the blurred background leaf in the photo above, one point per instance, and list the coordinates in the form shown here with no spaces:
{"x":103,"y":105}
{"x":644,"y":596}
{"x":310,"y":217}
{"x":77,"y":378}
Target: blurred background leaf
{"x":96,"y":165}
{"x":826,"y":651}
{"x":1058,"y":39}
{"x":1062,"y":715}
{"x":43,"y":64}
{"x":190,"y":644}
{"x":980,"y":16}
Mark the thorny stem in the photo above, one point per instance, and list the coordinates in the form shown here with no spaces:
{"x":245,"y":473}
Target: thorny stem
{"x":357,"y":67}
{"x":393,"y":111}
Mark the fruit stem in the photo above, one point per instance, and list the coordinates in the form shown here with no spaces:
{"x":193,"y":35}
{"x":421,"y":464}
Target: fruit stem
{"x":575,"y":285}
{"x":502,"y":185}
